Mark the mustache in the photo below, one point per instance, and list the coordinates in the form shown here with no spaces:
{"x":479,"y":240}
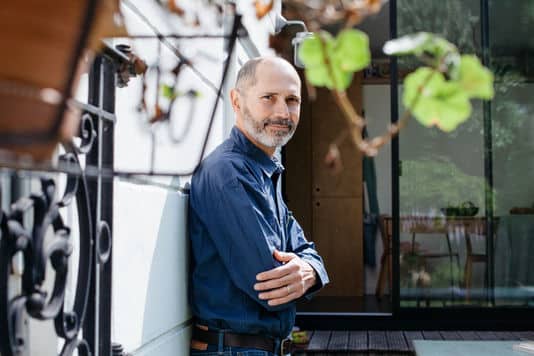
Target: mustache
{"x":284,"y":122}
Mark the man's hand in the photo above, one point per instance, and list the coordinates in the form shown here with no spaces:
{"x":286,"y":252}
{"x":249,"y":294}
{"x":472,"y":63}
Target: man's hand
{"x":287,"y":282}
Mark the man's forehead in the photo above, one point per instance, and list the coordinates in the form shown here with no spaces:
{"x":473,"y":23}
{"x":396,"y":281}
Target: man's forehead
{"x":277,"y":78}
{"x":277,"y":67}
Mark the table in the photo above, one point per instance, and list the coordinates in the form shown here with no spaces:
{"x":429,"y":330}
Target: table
{"x":466,"y":348}
{"x":444,"y":226}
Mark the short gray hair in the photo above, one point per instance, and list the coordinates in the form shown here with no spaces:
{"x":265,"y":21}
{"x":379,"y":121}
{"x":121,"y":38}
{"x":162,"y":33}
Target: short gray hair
{"x":246,"y":76}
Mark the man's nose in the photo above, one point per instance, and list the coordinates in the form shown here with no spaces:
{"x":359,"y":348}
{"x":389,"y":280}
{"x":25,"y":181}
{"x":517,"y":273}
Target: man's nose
{"x":281,"y":109}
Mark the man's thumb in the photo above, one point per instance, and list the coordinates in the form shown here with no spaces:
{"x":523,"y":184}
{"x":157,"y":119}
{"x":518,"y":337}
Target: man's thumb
{"x":283,"y":256}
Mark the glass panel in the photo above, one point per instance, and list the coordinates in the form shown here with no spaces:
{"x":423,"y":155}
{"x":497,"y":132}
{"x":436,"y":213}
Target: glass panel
{"x":444,"y":220}
{"x":512,"y":59}
{"x":442,"y":182}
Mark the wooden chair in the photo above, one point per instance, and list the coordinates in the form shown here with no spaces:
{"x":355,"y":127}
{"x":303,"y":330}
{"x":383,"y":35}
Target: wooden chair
{"x":432,"y":225}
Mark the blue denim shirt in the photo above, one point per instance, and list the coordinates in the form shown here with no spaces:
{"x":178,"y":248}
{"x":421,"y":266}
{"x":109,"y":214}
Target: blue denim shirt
{"x":235,"y":223}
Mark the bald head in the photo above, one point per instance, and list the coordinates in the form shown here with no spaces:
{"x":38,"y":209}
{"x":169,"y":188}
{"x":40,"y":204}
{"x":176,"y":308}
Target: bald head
{"x":247,"y":75}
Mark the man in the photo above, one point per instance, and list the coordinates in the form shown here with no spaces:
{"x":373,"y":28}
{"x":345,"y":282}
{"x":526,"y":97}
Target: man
{"x":251,"y":261}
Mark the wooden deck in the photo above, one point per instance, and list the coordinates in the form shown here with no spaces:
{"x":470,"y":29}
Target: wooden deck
{"x":377,"y":343}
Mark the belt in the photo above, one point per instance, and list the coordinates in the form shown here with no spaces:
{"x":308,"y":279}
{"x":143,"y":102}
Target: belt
{"x":259,"y":342}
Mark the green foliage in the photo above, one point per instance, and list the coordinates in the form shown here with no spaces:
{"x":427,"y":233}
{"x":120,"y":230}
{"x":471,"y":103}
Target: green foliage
{"x":442,"y":90}
{"x":331,"y":62}
{"x":451,"y":19}
{"x":167,"y":91}
{"x":351,"y":51}
{"x":442,"y":274}
{"x":437,"y":94}
{"x":475,"y":79}
{"x":440,"y":102}
{"x":431,"y":49}
{"x":436,"y":182}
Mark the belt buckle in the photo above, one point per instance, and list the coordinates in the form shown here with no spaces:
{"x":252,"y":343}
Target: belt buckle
{"x":285,"y":347}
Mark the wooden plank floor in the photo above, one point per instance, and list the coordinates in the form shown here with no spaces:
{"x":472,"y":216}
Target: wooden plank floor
{"x":391,"y":343}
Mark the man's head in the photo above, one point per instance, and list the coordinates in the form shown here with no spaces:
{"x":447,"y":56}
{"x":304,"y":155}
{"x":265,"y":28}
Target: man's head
{"x":266,"y":101}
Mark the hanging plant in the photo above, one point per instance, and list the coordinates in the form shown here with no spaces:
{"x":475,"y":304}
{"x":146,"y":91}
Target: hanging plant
{"x":438,"y":94}
{"x":47,"y":47}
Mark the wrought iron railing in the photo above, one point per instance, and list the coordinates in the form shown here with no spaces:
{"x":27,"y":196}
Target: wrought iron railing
{"x":92,"y":298}
{"x":47,"y":240}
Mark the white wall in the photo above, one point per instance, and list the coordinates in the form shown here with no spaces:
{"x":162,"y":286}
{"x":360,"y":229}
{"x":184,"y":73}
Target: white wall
{"x":151,"y":315}
{"x":150,"y":269}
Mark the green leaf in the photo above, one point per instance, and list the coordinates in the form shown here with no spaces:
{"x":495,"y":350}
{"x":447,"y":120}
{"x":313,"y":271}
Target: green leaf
{"x":438,"y":47}
{"x":351,"y":50}
{"x":167,"y":91}
{"x":342,"y":79}
{"x":311,"y":52}
{"x":475,"y":79}
{"x":451,"y":64}
{"x":428,"y":47}
{"x":441,"y":103}
{"x":319,"y":76}
{"x":346,"y":54}
{"x":409,"y":44}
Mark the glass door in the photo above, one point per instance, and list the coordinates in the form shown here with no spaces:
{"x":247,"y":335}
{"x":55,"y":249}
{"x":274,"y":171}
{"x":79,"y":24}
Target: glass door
{"x":465,"y":202}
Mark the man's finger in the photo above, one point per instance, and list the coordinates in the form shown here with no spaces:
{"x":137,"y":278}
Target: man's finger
{"x":283,"y":256}
{"x":276,"y":272}
{"x":283,"y":300}
{"x":275,"y":283}
{"x":276,"y":293}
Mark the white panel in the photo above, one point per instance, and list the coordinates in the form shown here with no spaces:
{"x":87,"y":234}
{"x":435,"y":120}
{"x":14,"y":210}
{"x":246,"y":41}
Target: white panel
{"x":173,"y":343}
{"x":376,"y":104}
{"x":150,"y":263}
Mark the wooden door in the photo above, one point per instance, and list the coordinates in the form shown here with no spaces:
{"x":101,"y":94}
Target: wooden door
{"x":328,"y":207}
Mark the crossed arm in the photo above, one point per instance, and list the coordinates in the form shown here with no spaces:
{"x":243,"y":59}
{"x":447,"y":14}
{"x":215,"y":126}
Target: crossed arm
{"x":285,"y":283}
{"x":240,"y":233}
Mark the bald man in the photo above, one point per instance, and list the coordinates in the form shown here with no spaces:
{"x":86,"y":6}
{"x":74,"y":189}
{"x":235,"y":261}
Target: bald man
{"x":251,"y":261}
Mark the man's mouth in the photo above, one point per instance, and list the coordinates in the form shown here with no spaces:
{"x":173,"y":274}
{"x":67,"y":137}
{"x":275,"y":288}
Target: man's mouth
{"x":279,"y":125}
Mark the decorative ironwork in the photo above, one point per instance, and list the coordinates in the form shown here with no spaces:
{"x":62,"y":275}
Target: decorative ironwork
{"x":30,"y":243}
{"x":87,"y":134}
{"x":49,"y":241}
{"x":86,"y":327}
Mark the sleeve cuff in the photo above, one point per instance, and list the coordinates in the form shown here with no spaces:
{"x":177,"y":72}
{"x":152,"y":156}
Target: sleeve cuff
{"x":321,"y":278}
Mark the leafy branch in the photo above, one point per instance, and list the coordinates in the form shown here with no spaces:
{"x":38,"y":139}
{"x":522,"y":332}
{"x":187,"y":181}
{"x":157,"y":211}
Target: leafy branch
{"x":436,"y":94}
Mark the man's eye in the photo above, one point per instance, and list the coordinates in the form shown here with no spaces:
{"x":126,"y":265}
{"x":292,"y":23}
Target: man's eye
{"x":267,"y":97}
{"x":293,"y":100}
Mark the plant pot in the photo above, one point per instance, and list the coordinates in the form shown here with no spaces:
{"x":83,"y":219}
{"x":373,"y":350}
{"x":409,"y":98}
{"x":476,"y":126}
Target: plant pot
{"x":46,"y":46}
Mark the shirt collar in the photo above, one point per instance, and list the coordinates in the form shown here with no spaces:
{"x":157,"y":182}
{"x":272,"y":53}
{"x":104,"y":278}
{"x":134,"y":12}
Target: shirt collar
{"x":269,"y":165}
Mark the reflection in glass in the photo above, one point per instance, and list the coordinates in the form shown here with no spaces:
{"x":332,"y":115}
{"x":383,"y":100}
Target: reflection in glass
{"x":446,"y":189}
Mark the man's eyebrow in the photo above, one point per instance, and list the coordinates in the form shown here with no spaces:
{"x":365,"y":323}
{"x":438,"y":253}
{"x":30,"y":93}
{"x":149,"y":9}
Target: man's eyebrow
{"x":292,"y":96}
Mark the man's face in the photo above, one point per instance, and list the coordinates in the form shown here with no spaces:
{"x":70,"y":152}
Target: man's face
{"x":270,"y":108}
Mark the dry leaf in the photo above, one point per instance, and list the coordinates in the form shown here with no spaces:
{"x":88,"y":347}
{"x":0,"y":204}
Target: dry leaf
{"x":159,"y":115}
{"x":175,"y":8}
{"x":333,"y":160}
{"x":140,"y":66}
{"x":374,"y":6}
{"x":263,"y":9}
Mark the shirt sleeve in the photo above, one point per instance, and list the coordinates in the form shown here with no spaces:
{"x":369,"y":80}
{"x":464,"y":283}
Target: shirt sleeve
{"x":239,"y":231}
{"x":306,"y":250}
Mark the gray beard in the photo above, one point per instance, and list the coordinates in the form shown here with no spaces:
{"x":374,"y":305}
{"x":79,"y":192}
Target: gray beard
{"x":258,"y":130}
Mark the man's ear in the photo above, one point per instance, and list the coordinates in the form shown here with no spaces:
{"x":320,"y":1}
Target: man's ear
{"x":235,"y":100}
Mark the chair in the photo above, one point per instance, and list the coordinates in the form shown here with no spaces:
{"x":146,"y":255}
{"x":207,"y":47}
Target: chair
{"x":432,"y":225}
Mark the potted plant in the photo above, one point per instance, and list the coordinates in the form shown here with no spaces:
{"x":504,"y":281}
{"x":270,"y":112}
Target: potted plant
{"x":46,"y":47}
